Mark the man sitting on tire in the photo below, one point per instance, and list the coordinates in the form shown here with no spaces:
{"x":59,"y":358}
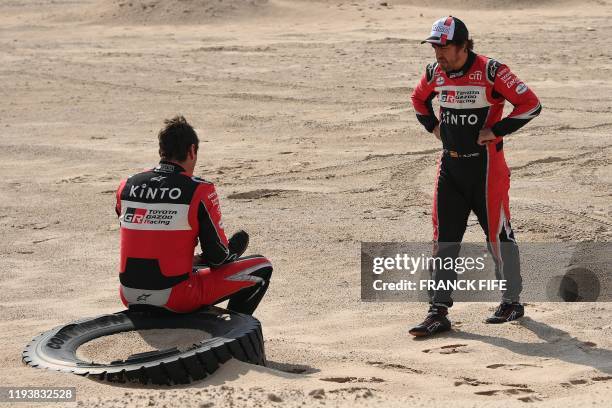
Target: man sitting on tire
{"x":163,"y":213}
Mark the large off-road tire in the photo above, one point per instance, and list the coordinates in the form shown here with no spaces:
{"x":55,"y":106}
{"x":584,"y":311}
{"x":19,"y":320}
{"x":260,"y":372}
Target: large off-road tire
{"x":234,"y":335}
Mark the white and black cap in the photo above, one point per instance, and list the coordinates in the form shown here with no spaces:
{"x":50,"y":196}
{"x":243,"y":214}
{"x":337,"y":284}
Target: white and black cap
{"x":447,"y":30}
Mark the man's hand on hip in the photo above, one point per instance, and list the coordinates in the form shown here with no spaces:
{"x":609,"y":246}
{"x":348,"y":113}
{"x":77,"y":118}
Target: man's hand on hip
{"x":485,"y":136}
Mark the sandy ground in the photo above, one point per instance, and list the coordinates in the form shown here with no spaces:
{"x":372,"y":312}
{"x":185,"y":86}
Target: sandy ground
{"x":303,"y":110}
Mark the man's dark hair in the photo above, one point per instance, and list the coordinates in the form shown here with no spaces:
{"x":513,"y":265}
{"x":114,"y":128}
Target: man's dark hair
{"x":467,"y":44}
{"x":176,"y":138}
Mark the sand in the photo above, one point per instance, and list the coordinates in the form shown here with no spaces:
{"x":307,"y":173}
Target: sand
{"x":121,"y":346}
{"x":306,"y":127}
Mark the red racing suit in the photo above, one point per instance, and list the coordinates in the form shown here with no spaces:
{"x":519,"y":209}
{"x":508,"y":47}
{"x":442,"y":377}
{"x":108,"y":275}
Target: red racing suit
{"x":473,"y":177}
{"x":163,"y":212}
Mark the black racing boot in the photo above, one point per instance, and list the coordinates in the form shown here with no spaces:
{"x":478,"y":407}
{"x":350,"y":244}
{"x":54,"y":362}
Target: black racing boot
{"x":506,"y":312}
{"x":435,"y":322}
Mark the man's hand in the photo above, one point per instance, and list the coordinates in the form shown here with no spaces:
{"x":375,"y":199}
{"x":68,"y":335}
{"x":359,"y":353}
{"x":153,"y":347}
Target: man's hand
{"x":485,"y":136}
{"x":436,"y":132}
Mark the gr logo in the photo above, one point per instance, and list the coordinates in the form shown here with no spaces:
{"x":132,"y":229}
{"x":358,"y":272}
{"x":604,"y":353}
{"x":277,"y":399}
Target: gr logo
{"x":135,"y":215}
{"x":447,"y":96}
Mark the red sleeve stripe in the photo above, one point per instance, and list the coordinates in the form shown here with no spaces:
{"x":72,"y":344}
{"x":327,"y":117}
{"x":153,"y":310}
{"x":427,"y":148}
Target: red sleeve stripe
{"x":530,"y":114}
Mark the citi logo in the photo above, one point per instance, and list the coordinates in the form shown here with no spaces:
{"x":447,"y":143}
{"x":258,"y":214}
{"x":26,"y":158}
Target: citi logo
{"x":476,"y":76}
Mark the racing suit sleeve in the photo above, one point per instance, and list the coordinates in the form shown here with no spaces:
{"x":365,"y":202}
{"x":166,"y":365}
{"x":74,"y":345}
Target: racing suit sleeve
{"x":526,"y":104}
{"x":422,"y":96}
{"x":213,"y":241}
{"x":118,"y":197}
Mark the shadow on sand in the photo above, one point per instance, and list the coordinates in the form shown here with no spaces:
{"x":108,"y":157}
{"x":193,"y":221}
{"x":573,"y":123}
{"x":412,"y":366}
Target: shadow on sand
{"x":557,"y":344}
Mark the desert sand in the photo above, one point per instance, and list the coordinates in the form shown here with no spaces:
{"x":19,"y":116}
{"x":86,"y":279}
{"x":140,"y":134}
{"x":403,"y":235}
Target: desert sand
{"x":307,"y":130}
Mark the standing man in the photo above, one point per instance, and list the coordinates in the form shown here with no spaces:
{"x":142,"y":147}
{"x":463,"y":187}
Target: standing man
{"x":163,"y":213}
{"x":472,"y":171}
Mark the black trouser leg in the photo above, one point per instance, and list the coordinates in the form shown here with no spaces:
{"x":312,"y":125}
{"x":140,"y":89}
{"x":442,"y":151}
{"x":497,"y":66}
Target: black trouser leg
{"x":246,"y":300}
{"x":450,"y":214}
{"x":509,"y":268}
{"x":500,"y":238}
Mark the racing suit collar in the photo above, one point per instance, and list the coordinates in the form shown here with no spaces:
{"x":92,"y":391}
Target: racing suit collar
{"x":465,"y":68}
{"x":166,"y":166}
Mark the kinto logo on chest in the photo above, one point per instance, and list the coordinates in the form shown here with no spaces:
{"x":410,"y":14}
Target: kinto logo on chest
{"x":452,"y":119}
{"x":142,"y":191}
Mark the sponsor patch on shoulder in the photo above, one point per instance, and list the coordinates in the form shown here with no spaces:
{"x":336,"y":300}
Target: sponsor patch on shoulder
{"x":429,"y":71}
{"x":521,"y":88}
{"x":492,"y":67}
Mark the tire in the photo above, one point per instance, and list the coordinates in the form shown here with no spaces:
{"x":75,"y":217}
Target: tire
{"x":234,"y":335}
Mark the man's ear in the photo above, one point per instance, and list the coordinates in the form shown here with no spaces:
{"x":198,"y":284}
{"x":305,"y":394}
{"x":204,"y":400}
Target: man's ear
{"x":192,"y":152}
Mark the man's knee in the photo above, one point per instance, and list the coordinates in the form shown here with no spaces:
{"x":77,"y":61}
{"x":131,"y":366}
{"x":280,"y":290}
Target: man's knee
{"x":258,"y":266}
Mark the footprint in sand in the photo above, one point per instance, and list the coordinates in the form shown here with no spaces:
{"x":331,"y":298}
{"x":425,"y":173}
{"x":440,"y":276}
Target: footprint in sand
{"x":507,"y":391}
{"x":77,"y":179}
{"x":362,"y":392}
{"x":531,"y":398}
{"x":343,"y":380}
{"x":572,"y":383}
{"x":448,"y":349}
{"x":515,"y":385}
{"x":515,"y":389}
{"x":470,"y":381}
{"x":512,"y":367}
{"x":394,"y":366}
{"x":255,"y":194}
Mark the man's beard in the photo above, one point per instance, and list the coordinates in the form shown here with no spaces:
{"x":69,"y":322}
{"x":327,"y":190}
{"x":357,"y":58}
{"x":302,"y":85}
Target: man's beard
{"x":444,"y":65}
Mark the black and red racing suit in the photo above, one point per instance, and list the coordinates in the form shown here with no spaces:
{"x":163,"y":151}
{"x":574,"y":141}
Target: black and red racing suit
{"x":473,"y":177}
{"x":163,"y":212}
